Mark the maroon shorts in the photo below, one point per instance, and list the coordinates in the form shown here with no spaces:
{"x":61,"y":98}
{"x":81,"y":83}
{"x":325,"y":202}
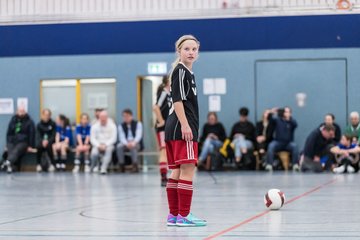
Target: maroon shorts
{"x":161,"y":139}
{"x":181,"y":152}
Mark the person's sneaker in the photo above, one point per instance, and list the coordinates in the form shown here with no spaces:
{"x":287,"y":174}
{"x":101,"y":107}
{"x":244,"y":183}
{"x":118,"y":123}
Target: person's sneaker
{"x":103,"y":172}
{"x":76,"y":169}
{"x":350,"y":169}
{"x":8,"y":166}
{"x":189,"y":221}
{"x":58,"y":166}
{"x":296,"y":167}
{"x":63,"y":166}
{"x":340,"y":169}
{"x":51,"y":168}
{"x":269,"y":167}
{"x":38,"y":168}
{"x":171,"y":220}
{"x":87,"y":169}
{"x":95,"y":169}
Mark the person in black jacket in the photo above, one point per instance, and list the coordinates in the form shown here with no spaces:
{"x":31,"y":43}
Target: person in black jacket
{"x":284,"y":128}
{"x":263,"y":133}
{"x":20,"y":137}
{"x":242,"y":135}
{"x":45,"y":137}
{"x":316,"y":147}
{"x":212,"y":137}
{"x":330,"y":120}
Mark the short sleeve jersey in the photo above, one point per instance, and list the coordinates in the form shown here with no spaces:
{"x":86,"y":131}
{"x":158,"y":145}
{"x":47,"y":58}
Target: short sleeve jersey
{"x":163,"y":100}
{"x":183,"y":88}
{"x":83,"y":131}
{"x":65,"y":133}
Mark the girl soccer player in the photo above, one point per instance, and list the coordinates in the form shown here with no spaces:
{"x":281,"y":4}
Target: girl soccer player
{"x":63,"y":139}
{"x":181,"y":134}
{"x":161,"y":110}
{"x":83,"y":143}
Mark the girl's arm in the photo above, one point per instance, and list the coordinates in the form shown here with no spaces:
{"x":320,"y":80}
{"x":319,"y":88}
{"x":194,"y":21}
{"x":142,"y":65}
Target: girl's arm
{"x":186,"y":132}
{"x":87,"y":140}
{"x":79,"y":139}
{"x":159,"y":117}
{"x":57,"y":137}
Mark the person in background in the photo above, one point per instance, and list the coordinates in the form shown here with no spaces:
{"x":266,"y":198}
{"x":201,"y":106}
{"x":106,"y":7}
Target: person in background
{"x":242,"y":135}
{"x":284,"y":129}
{"x":212,"y":137}
{"x":103,"y":138}
{"x":316,"y":147}
{"x":161,"y":110}
{"x":45,"y":138}
{"x":330,"y":120}
{"x":20,"y":137}
{"x":353,"y":129}
{"x":96,"y":115}
{"x":83,"y":143}
{"x":346,"y":154}
{"x":63,"y":140}
{"x":130,"y":139}
{"x":263,"y":134}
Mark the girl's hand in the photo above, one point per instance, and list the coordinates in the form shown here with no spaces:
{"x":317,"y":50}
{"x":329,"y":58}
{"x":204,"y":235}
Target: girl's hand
{"x":186,"y":133}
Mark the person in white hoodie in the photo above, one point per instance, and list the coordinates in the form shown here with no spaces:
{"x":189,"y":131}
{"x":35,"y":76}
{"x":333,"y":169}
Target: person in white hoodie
{"x":103,"y":136}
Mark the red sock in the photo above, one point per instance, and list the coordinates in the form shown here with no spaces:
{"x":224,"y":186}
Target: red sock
{"x":185,"y":191}
{"x":163,"y":168}
{"x":171,"y":189}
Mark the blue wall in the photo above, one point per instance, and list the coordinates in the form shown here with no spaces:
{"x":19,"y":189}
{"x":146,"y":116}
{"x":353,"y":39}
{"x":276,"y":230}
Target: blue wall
{"x":230,"y":48}
{"x":21,"y":77}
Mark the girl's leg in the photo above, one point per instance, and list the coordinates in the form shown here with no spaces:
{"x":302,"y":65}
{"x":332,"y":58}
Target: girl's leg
{"x":76,"y":168}
{"x":163,"y":166}
{"x":172,"y":194}
{"x":237,"y":149}
{"x":185,"y":188}
{"x":63,"y":151}
{"x":56,"y":155}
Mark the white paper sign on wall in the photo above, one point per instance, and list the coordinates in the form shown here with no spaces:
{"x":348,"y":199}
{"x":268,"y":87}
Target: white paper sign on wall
{"x":214,"y":103}
{"x":214,"y":86}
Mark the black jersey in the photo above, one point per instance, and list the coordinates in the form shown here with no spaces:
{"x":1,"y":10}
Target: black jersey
{"x":183,"y":88}
{"x":163,"y":100}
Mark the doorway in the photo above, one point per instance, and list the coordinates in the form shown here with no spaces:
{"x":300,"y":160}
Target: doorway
{"x":146,"y":92}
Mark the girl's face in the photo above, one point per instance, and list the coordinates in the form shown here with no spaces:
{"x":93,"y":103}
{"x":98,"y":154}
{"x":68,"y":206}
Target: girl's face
{"x":189,"y":52}
{"x":84,"y":120}
{"x":344,"y":141}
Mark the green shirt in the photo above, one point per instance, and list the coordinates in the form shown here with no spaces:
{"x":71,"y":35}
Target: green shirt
{"x":353,"y":131}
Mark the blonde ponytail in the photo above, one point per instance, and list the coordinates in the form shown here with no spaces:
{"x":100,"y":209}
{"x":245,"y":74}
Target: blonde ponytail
{"x":178,"y":45}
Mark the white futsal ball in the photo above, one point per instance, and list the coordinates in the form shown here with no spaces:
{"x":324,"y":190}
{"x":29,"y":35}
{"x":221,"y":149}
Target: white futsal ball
{"x":274,"y":199}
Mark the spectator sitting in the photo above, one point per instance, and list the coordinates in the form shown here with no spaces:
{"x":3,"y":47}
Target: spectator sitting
{"x":20,"y":137}
{"x":130,"y":139}
{"x":284,"y":128}
{"x":330,"y":120}
{"x":63,"y":140}
{"x":353,"y":129}
{"x":45,"y":138}
{"x":96,"y":115}
{"x":83,"y":143}
{"x":102,"y":138}
{"x":213,"y":136}
{"x":242,"y":135}
{"x":347,"y":155}
{"x":263,"y":134}
{"x":316,"y":146}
